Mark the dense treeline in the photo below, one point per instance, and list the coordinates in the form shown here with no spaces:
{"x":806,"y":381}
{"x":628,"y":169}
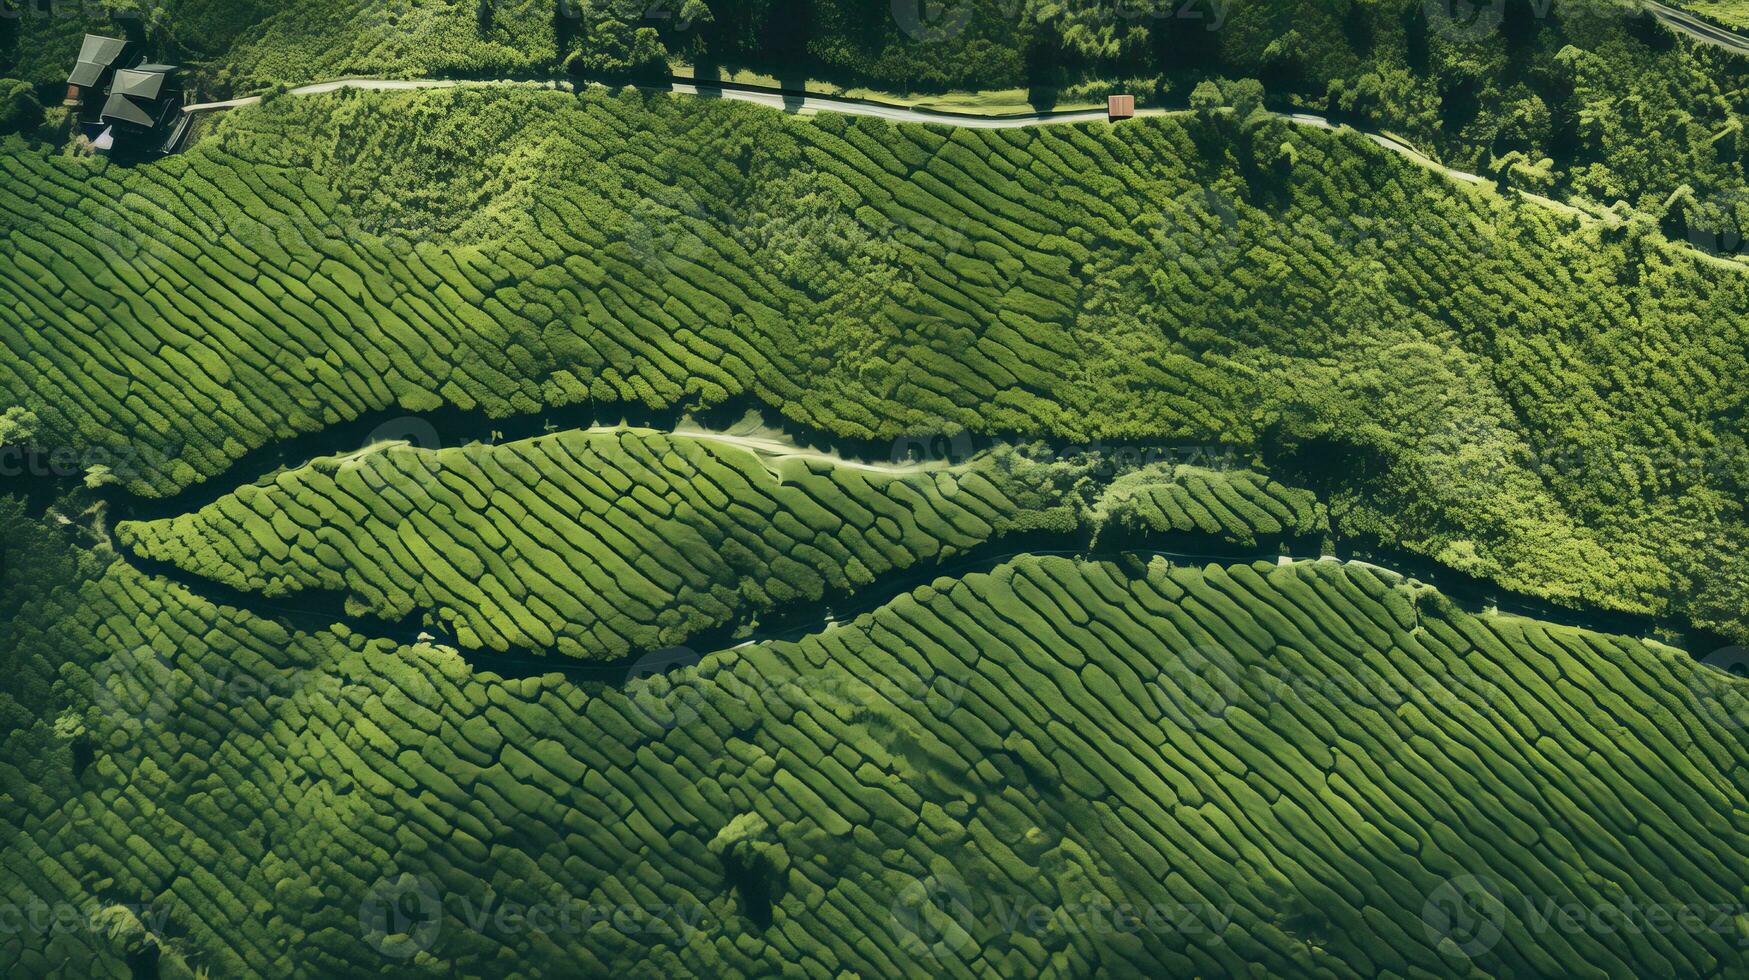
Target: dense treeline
{"x":1586,"y":97}
{"x":1295,"y":769}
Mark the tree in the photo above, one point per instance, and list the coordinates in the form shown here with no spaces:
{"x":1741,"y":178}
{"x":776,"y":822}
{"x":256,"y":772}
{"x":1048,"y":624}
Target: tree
{"x":693,"y":13}
{"x":18,"y":426}
{"x":606,"y":45}
{"x":1206,"y":99}
{"x":19,"y":109}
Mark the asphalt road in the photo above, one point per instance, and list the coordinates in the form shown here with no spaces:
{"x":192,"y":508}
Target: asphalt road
{"x":1697,"y":28}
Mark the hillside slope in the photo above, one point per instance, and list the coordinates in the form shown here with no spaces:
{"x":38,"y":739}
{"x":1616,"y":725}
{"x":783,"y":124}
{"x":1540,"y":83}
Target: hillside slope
{"x":1512,"y":393}
{"x":1308,"y":769}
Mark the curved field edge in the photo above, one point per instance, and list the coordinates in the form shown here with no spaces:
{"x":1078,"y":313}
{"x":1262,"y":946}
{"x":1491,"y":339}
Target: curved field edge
{"x":1284,"y":766}
{"x":603,"y":544}
{"x":1455,"y":374}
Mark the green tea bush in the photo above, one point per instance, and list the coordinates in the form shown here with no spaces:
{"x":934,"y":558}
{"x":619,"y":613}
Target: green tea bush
{"x":1452,"y":371}
{"x":1056,"y":767}
{"x":590,"y":545}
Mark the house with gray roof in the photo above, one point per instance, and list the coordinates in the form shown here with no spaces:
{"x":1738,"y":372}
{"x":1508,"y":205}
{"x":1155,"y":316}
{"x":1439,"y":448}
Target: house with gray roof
{"x":99,"y":56}
{"x":143,"y":97}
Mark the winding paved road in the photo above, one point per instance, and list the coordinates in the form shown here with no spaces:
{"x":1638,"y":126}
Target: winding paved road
{"x":795,"y":102}
{"x":1701,"y":30}
{"x":798,"y":102}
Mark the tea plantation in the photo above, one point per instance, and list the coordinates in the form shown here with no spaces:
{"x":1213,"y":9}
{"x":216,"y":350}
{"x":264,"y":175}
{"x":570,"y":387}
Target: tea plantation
{"x":599,"y":544}
{"x":1355,"y":317}
{"x":1288,"y":767}
{"x":595,"y":545}
{"x":546,"y":521}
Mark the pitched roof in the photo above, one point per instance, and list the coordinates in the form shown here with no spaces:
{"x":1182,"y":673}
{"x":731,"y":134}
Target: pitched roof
{"x":139,"y":84}
{"x":127,"y":110}
{"x":86,"y":74}
{"x":96,"y":55}
{"x":100,"y":50}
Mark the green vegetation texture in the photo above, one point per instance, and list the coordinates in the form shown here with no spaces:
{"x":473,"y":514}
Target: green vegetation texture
{"x":1592,"y":98}
{"x":1035,"y":765}
{"x":600,"y":545}
{"x":1289,"y":760}
{"x":1528,"y":397}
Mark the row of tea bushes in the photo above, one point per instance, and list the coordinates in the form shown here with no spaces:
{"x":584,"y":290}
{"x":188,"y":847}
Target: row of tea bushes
{"x":590,"y":544}
{"x":1466,"y":373}
{"x":1237,"y":505}
{"x":596,"y":544}
{"x":1303,"y":769}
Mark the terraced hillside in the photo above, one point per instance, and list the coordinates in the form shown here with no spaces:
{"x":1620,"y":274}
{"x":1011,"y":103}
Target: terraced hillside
{"x":1306,"y":768}
{"x":1238,"y":505}
{"x":599,"y":544}
{"x":594,"y":545}
{"x":987,"y":642}
{"x":1518,"y":395}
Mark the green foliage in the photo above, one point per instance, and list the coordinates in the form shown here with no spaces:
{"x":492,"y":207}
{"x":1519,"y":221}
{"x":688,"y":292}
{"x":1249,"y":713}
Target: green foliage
{"x":18,"y":426}
{"x":597,"y":544}
{"x":20,"y":112}
{"x":608,"y":44}
{"x":592,"y":545}
{"x":41,"y":572}
{"x":1238,"y":506}
{"x":1477,"y":361}
{"x":1620,"y":106}
{"x":1268,"y":764}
